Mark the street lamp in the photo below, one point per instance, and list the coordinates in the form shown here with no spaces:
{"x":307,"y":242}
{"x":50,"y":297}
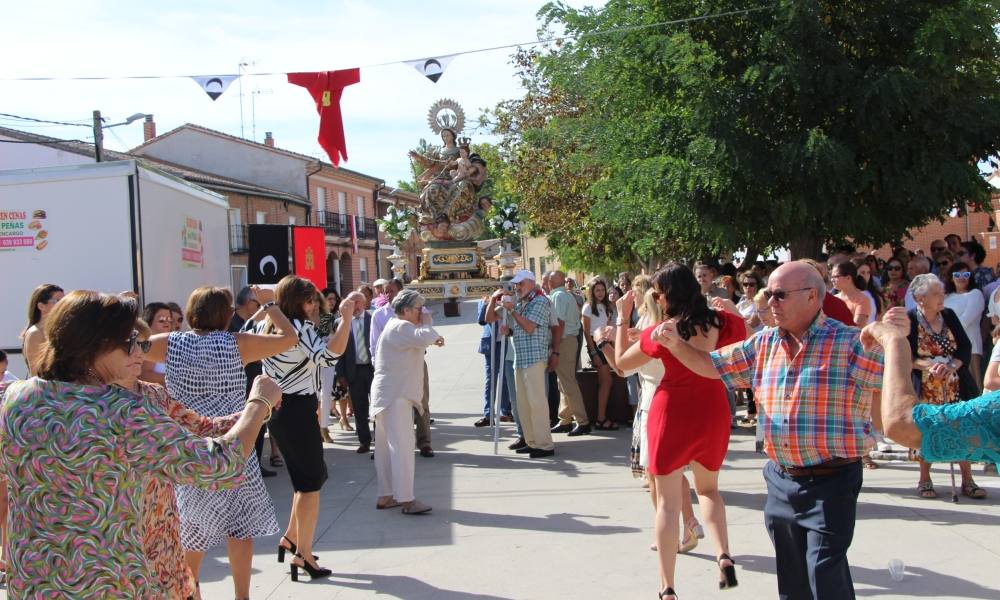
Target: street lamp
{"x":99,"y":128}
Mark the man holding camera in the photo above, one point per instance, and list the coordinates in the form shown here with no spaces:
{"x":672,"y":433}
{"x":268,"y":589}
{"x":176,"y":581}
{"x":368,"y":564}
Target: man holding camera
{"x":530,"y":319}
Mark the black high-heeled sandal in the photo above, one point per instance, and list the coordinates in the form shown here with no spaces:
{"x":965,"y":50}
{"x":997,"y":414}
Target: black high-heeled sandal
{"x":282,"y":549}
{"x":314,"y":572}
{"x":728,"y":573}
{"x":668,"y":592}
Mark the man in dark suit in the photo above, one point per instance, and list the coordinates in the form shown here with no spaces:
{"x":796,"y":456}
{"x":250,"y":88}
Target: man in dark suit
{"x":356,"y":368}
{"x":246,"y":306}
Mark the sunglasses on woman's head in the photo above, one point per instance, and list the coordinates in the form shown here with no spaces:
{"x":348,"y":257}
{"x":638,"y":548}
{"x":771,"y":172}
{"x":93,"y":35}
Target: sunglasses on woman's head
{"x":961,"y":275}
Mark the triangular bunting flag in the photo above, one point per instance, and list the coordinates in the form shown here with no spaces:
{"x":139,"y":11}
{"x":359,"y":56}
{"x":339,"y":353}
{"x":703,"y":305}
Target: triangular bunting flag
{"x":432,"y":68}
{"x":215,"y":85}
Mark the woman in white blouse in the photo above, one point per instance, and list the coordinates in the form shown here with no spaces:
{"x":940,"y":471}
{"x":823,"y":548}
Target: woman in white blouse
{"x":294,"y":426}
{"x":396,"y":392}
{"x":963,"y":297}
{"x":598,"y":312}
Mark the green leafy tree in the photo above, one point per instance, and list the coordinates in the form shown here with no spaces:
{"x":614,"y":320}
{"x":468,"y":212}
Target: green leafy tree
{"x":795,"y":124}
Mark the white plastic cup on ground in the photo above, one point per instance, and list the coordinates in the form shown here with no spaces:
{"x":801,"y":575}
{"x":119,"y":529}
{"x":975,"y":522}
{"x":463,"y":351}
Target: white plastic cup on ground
{"x":896,"y":569}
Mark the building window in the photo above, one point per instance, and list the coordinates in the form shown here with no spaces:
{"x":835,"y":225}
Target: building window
{"x":336,"y":275}
{"x":363,"y":266}
{"x":531,"y":264}
{"x":238,"y":274}
{"x":261,"y":217}
{"x":321,"y":206}
{"x":360,"y":201}
{"x":291,"y":220}
{"x":541,"y":266}
{"x":342,"y":202}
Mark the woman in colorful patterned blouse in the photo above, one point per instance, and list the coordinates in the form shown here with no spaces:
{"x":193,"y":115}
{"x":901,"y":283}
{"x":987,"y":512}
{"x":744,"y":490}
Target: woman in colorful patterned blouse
{"x":76,"y":477}
{"x":162,"y":540}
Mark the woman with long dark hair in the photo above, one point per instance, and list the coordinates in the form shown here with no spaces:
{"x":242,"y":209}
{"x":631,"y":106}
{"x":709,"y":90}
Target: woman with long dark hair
{"x":295,"y":427}
{"x":688,"y":422}
{"x":849,"y":289}
{"x":597,"y":313}
{"x":43,"y":299}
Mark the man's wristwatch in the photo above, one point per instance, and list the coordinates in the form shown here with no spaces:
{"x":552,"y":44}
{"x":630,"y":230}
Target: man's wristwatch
{"x":268,"y":305}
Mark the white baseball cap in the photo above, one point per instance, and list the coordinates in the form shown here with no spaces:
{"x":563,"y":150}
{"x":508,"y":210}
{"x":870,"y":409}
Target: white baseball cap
{"x":380,"y":282}
{"x":523,"y":275}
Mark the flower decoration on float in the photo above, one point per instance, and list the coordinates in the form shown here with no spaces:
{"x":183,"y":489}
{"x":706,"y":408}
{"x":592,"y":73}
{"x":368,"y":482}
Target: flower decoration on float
{"x":397,"y":224}
{"x":505,"y":221}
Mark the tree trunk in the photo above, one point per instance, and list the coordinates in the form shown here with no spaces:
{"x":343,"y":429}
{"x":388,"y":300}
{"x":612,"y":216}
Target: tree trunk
{"x":805,"y":247}
{"x":749,"y":258}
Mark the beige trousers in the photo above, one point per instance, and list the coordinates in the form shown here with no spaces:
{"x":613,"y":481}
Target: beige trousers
{"x":423,"y":421}
{"x":533,"y":405}
{"x":571,"y":399}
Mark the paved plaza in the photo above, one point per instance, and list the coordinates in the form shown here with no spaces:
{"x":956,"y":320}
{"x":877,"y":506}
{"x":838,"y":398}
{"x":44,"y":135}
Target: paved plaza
{"x":579,"y":526}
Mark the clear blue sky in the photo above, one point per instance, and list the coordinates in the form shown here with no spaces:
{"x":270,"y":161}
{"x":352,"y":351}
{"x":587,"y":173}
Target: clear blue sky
{"x":384,"y":115}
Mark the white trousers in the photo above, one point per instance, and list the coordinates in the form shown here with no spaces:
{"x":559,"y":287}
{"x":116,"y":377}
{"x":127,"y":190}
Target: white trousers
{"x":327,"y":375}
{"x":394,"y":449}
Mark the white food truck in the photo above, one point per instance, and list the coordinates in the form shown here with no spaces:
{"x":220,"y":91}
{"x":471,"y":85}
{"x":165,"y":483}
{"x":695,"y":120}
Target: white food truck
{"x":111,"y":227}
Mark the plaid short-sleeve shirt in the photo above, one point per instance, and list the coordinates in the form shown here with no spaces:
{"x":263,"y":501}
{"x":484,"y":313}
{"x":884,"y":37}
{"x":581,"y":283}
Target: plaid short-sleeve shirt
{"x":814,"y":405}
{"x":532,"y":347}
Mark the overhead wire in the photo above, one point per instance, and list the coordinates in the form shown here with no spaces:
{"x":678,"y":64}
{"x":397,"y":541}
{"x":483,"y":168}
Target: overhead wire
{"x":622,"y":29}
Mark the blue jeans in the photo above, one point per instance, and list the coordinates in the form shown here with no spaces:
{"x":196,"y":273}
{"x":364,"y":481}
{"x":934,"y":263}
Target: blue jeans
{"x":492,"y":372}
{"x":811,"y":524}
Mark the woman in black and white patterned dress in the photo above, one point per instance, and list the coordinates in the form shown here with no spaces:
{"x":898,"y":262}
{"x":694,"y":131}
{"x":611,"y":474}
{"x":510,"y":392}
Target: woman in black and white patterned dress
{"x":205,"y":373}
{"x":294,"y":427}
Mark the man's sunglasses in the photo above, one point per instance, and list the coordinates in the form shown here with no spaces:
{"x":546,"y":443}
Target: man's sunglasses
{"x":781,"y":295}
{"x":133,"y":341}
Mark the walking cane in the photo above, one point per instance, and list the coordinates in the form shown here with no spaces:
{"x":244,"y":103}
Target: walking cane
{"x":493,"y":378}
{"x":498,"y":394}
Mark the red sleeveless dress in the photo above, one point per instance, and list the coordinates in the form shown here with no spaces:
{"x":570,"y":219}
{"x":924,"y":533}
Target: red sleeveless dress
{"x":689,"y":417}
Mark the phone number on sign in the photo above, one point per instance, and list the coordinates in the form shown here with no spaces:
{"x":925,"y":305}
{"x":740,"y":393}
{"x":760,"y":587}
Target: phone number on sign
{"x":16,"y":242}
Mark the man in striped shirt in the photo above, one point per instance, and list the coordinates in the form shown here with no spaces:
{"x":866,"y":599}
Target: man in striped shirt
{"x":813,"y":380}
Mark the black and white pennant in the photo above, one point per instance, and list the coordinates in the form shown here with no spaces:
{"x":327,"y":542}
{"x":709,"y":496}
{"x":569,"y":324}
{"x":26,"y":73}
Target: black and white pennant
{"x":215,"y":85}
{"x":432,"y":68}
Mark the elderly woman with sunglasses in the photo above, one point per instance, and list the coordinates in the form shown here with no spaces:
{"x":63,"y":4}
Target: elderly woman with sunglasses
{"x":962,"y":295}
{"x":940,"y":352}
{"x":77,"y":477}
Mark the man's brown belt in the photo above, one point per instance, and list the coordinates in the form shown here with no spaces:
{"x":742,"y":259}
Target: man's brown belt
{"x":830,"y":467}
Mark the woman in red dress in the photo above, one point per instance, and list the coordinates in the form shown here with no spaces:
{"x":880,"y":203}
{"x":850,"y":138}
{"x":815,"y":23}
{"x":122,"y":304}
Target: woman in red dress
{"x":688,"y":422}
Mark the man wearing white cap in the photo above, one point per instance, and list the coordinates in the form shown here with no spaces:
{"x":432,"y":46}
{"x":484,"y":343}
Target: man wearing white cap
{"x":530,"y":318}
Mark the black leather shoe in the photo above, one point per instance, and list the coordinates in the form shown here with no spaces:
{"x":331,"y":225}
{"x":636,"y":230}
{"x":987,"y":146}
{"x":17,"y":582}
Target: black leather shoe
{"x":427,"y":452}
{"x":267,"y":472}
{"x":525,"y":450}
{"x":363,"y":449}
{"x":520,"y":443}
{"x":565,"y":428}
{"x":579,"y":430}
{"x":484,"y":422}
{"x":539,"y":453}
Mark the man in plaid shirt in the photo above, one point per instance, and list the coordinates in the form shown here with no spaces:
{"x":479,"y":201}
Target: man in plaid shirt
{"x":813,"y":381}
{"x":532,"y":337}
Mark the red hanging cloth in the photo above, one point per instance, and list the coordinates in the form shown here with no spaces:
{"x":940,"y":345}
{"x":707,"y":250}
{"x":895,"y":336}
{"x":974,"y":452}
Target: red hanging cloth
{"x":326,"y":88}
